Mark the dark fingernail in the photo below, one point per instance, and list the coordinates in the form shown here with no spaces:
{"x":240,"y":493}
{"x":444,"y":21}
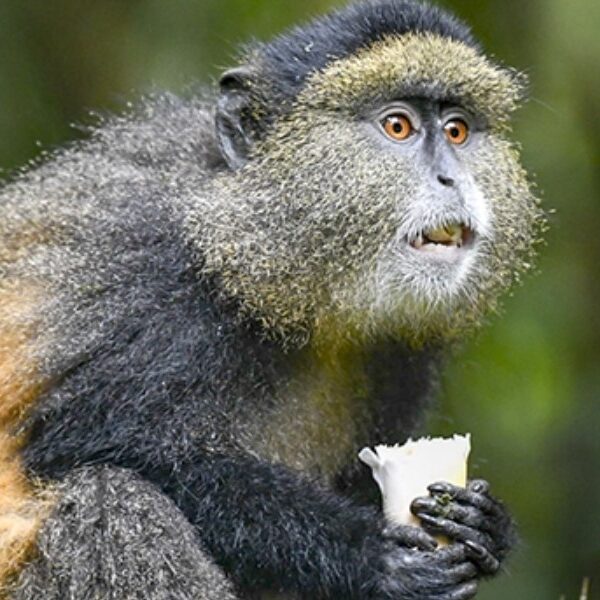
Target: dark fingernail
{"x":480,"y":487}
{"x":428,"y":519}
{"x":475,"y":548}
{"x":422,"y":503}
{"x":440,"y":488}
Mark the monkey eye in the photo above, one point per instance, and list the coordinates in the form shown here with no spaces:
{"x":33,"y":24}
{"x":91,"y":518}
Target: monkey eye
{"x":398,"y":126}
{"x":457,"y":131}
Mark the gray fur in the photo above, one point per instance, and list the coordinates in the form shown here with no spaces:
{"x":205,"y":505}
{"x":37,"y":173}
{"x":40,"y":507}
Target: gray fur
{"x":113,"y":536}
{"x":152,"y":156}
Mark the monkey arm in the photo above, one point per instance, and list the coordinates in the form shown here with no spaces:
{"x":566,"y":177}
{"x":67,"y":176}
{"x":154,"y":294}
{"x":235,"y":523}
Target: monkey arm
{"x":270,"y":529}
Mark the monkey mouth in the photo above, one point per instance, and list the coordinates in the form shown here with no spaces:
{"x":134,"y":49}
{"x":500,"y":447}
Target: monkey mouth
{"x":450,"y":237}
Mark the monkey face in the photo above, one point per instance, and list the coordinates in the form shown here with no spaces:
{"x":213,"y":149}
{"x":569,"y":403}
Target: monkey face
{"x":442,"y":222}
{"x":387,"y":200}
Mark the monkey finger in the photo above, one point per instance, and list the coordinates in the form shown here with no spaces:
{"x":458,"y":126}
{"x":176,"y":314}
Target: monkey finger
{"x":463,"y":572}
{"x":466,"y":496}
{"x":464,"y":514}
{"x":485,"y":560}
{"x":479,"y":486}
{"x":450,"y":579}
{"x":453,"y":530}
{"x":451,"y":555}
{"x":428,"y":504}
{"x":410,"y":537}
{"x":463,"y":592}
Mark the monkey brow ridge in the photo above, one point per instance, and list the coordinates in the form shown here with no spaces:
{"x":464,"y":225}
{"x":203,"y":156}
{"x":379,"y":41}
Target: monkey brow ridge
{"x":426,"y":65}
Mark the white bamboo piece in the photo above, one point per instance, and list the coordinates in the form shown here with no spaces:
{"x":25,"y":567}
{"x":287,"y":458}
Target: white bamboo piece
{"x":404,"y":472}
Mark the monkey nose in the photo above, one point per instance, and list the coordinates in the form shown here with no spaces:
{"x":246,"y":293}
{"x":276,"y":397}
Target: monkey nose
{"x":445,"y":180}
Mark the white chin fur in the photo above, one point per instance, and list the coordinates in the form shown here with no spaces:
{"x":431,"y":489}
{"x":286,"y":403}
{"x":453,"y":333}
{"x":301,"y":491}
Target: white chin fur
{"x":412,"y":288}
{"x":440,"y":252}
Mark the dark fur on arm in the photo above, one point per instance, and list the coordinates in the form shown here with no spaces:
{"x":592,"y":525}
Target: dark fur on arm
{"x":270,"y":528}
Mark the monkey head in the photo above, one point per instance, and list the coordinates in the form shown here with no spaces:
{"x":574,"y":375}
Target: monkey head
{"x":375,"y":192}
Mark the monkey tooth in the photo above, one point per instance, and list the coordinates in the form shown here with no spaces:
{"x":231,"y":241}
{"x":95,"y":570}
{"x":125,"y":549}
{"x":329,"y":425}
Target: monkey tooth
{"x":451,"y":235}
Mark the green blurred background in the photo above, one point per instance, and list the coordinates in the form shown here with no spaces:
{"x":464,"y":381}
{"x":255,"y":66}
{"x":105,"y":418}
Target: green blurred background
{"x":528,"y":387}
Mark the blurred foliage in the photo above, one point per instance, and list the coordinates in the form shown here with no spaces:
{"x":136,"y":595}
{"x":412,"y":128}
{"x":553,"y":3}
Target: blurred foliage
{"x":528,"y":386}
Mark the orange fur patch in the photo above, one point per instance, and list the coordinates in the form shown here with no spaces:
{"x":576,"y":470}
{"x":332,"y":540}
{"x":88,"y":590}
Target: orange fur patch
{"x":19,"y":384}
{"x":23,"y":505}
{"x":18,"y":242}
{"x":23,"y":508}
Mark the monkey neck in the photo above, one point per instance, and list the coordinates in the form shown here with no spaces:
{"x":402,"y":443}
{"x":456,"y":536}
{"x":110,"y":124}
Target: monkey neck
{"x":340,"y":395}
{"x":387,"y":379}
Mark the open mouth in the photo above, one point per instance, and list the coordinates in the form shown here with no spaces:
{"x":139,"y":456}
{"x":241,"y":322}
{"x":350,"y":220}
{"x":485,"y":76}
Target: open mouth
{"x":448,"y":237}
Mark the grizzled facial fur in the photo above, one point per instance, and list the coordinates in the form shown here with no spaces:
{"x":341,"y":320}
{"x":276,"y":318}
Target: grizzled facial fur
{"x":326,"y":234}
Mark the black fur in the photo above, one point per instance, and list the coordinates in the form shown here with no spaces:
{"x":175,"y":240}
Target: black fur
{"x":291,"y":58}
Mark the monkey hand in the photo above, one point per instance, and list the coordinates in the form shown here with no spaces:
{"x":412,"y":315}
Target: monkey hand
{"x":413,"y":569}
{"x":471,"y":517}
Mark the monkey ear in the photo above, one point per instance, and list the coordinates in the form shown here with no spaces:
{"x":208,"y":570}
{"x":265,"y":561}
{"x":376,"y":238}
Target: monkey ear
{"x":236,"y":129}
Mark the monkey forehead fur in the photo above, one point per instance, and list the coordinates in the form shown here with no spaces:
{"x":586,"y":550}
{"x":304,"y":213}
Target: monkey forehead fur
{"x":418,"y":65}
{"x":312,"y":239}
{"x":286,"y":62}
